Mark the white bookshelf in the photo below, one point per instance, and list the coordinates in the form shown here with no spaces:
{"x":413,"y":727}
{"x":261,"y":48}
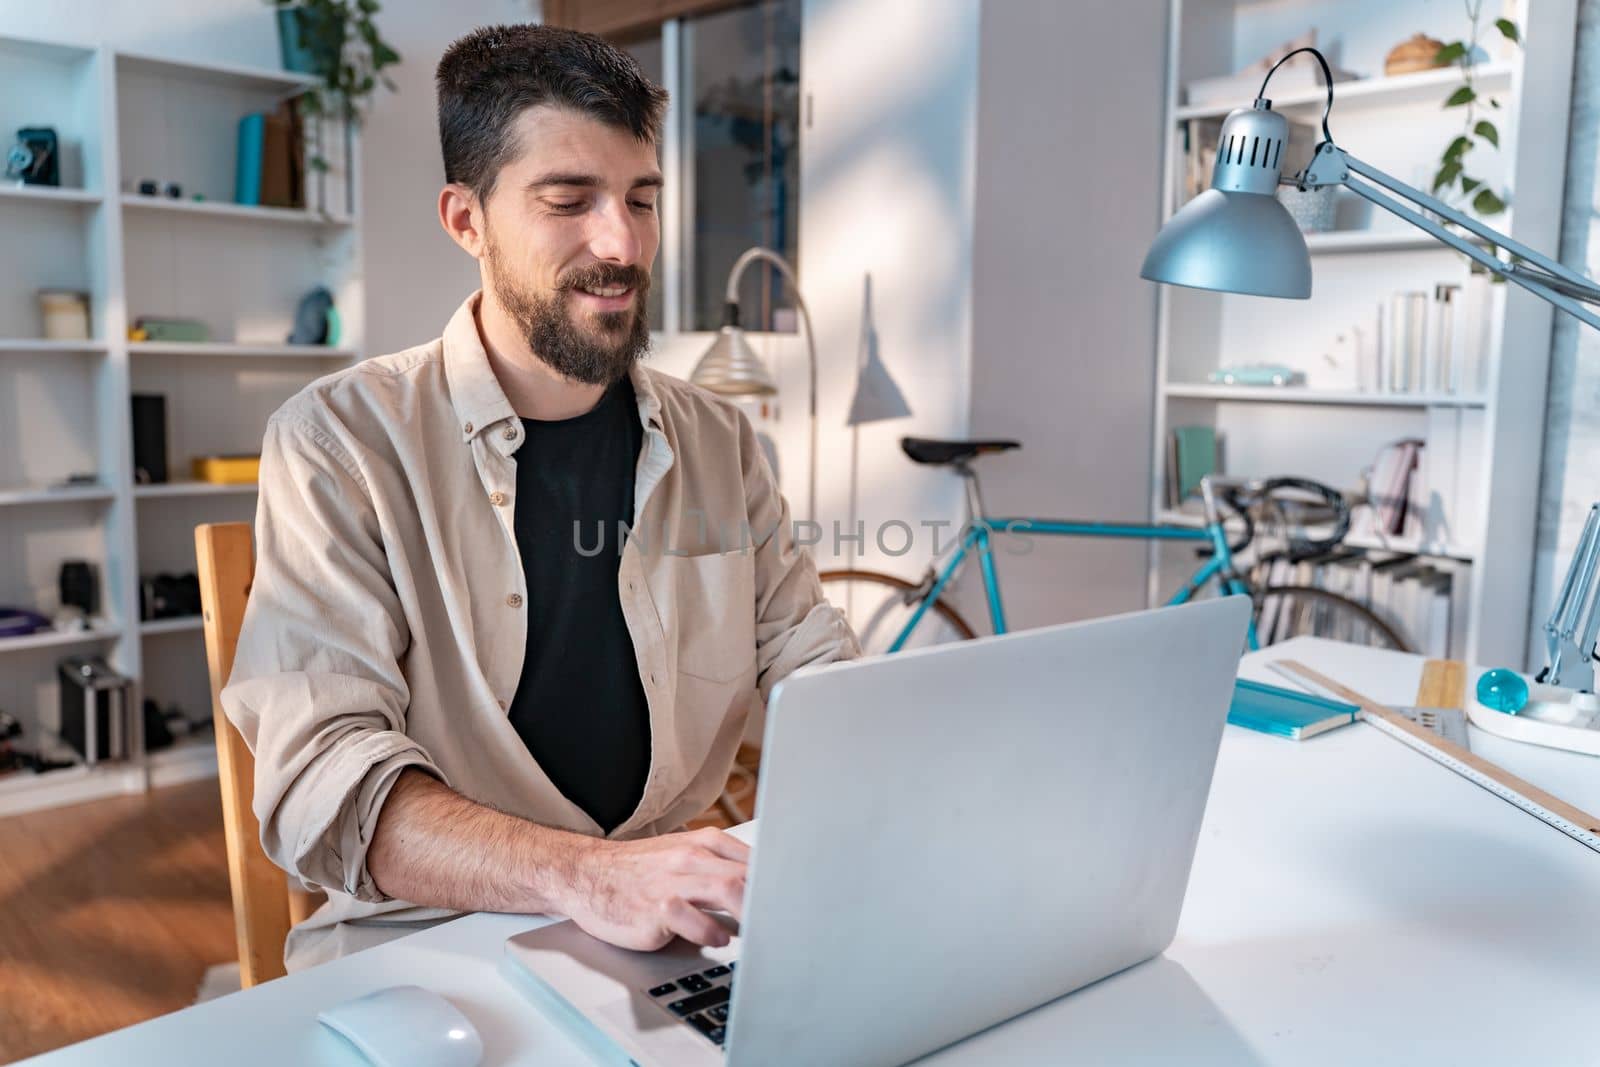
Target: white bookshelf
{"x":1294,"y":394}
{"x":165,"y":490}
{"x":122,"y":118}
{"x":1378,"y":91}
{"x":1486,"y":443}
{"x":240,"y":350}
{"x":45,"y":194}
{"x":237,"y":212}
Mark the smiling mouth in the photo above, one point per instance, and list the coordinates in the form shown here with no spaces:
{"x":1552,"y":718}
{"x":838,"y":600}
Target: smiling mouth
{"x":608,"y":298}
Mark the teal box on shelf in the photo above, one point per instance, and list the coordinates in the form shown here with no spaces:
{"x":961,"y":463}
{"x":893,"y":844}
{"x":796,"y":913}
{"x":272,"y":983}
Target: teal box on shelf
{"x":1284,"y":712}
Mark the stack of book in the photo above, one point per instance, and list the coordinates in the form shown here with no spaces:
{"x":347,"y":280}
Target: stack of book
{"x":1422,"y":599}
{"x":1433,"y":341}
{"x":270,"y":170}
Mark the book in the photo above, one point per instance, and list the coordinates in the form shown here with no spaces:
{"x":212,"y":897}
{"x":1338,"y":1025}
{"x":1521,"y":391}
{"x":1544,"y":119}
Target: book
{"x":1197,"y":456}
{"x":1285,"y":713}
{"x":247,"y":164}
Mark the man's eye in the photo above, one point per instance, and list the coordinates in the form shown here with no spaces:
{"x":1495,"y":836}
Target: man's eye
{"x":566,"y":206}
{"x":641,"y":205}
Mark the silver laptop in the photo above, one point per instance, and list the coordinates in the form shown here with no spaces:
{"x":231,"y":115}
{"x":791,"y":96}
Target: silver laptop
{"x":947,"y":838}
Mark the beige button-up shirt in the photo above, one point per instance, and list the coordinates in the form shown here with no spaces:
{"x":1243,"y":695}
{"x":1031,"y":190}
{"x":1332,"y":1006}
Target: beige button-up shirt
{"x":388,"y":618}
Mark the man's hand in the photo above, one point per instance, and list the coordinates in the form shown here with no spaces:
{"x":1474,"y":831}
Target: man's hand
{"x":638,"y":894}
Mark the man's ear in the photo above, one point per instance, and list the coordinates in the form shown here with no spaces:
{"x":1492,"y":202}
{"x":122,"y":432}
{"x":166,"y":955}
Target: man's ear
{"x":461,"y":215}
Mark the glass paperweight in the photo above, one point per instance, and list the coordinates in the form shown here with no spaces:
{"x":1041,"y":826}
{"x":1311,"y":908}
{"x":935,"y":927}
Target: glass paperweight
{"x":1503,"y":690}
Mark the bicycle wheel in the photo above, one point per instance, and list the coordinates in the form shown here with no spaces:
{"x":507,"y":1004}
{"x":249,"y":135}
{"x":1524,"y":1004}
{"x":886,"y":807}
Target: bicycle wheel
{"x":1285,"y":611}
{"x":879,"y":605}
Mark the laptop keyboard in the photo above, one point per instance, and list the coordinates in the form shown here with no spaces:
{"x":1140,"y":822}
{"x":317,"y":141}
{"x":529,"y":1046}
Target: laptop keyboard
{"x":700,"y":1000}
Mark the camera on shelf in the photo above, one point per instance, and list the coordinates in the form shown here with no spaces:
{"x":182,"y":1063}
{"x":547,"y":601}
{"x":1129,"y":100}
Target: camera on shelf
{"x":35,"y":158}
{"x":169,"y":596}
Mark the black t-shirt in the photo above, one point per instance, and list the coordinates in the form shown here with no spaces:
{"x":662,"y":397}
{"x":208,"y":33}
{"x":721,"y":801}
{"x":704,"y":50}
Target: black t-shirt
{"x":580,"y":706}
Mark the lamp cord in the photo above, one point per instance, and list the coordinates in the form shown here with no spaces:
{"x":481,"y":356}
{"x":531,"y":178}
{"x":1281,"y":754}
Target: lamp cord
{"x":1327,"y":80}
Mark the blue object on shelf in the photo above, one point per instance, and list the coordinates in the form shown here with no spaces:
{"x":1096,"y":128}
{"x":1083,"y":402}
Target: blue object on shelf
{"x":1503,"y":690}
{"x":252,"y":146}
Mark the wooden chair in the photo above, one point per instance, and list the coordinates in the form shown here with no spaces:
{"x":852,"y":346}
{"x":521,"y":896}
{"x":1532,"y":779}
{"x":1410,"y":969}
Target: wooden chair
{"x":265,"y":904}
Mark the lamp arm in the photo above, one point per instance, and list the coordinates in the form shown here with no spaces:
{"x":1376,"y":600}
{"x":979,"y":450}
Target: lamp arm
{"x":767,"y":255}
{"x":1571,"y":629}
{"x":1551,"y":281}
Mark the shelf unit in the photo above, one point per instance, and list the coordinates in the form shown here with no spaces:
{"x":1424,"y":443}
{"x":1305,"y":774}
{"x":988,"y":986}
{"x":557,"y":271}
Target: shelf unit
{"x":124,"y":117}
{"x":241,"y":212}
{"x":1487,"y":444}
{"x":1296,"y":394}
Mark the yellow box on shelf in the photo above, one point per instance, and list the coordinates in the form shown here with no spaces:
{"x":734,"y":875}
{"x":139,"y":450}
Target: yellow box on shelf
{"x":226,"y":470}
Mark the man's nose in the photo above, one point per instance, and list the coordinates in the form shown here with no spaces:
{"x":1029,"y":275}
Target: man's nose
{"x":613,"y":237}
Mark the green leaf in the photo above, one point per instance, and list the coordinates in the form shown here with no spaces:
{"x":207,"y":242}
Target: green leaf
{"x":1463,"y":95}
{"x":1508,"y":30}
{"x":1486,"y":203}
{"x":1469,"y":184}
{"x":1494,"y":103}
{"x":1449,"y":53}
{"x":1457,"y":147}
{"x":1447,"y":174}
{"x":1486,"y":130}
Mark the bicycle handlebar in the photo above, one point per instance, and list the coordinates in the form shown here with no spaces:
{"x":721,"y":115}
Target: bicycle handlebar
{"x":1241,"y":497}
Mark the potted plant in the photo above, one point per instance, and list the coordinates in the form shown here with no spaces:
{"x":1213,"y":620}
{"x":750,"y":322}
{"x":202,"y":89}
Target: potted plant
{"x":338,"y":41}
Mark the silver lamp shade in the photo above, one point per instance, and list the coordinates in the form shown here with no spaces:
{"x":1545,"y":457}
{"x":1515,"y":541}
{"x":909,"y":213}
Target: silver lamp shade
{"x":1236,"y":237}
{"x":731,"y":367}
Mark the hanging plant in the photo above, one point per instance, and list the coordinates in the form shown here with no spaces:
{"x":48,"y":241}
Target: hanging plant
{"x":1476,"y":127}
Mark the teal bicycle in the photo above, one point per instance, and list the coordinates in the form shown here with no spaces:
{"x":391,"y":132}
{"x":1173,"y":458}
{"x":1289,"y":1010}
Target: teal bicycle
{"x":1309,"y":519}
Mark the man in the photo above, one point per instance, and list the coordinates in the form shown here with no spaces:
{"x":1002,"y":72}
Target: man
{"x":463,"y":688}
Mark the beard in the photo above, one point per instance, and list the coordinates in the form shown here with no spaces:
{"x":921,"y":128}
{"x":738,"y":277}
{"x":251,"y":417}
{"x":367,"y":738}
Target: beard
{"x":600,"y":350}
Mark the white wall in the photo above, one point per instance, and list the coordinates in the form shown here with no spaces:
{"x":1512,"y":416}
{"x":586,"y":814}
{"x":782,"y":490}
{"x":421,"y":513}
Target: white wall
{"x":415,"y":276}
{"x":886,"y":181}
{"x":1069,"y":167}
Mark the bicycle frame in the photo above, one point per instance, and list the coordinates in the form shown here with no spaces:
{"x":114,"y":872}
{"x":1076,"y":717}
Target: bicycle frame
{"x":982,"y":530}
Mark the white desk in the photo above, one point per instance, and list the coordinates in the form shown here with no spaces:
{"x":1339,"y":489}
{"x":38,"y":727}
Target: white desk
{"x":1351,"y":902}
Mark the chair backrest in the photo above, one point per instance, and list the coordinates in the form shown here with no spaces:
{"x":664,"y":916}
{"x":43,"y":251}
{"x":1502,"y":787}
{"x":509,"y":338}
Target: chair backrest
{"x":264,"y":903}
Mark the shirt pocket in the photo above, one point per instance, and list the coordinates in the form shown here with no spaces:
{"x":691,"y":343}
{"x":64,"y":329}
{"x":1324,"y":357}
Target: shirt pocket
{"x":716,"y":610}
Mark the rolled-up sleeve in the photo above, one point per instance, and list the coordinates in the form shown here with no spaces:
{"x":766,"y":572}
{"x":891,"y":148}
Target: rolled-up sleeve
{"x":795,"y":625}
{"x":317,"y":688}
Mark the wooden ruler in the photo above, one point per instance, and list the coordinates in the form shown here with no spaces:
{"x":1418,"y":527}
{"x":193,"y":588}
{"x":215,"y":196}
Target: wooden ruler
{"x":1572,"y":821}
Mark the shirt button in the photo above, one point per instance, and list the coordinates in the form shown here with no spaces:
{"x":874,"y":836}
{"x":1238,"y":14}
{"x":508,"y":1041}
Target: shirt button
{"x":514,"y":600}
{"x":467,"y":428}
{"x":511,"y":433}
{"x":655,"y":679}
{"x":497,"y":498}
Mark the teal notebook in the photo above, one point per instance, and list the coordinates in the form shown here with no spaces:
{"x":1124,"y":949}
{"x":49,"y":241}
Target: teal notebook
{"x":1285,"y":712}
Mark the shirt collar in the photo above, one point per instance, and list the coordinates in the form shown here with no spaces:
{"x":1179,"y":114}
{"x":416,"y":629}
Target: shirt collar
{"x":475,"y":391}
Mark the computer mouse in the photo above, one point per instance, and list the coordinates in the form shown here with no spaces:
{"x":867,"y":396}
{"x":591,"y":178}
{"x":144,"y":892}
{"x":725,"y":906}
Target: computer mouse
{"x":406,"y":1026}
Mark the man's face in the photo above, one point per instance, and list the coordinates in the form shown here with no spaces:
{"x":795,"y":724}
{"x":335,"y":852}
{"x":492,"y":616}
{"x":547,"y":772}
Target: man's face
{"x":570,"y":232}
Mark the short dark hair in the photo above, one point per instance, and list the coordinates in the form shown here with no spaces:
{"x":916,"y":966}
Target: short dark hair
{"x":490,"y":76}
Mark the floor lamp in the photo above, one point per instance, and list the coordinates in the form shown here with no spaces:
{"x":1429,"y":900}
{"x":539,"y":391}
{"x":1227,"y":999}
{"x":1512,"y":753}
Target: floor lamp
{"x":877,"y":399}
{"x":730,"y":367}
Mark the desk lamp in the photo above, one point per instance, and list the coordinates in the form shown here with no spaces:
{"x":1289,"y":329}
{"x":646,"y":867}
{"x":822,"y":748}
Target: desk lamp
{"x":731,"y":367}
{"x":1237,"y":238}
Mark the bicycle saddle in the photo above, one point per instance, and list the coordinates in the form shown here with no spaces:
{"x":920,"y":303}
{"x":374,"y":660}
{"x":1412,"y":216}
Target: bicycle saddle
{"x":931,"y":450}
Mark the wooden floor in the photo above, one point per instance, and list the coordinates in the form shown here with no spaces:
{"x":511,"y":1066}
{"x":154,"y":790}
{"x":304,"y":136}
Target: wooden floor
{"x":110,"y":913}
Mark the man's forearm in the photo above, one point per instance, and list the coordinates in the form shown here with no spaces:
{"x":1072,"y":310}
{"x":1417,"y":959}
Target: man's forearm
{"x":435,"y":848}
